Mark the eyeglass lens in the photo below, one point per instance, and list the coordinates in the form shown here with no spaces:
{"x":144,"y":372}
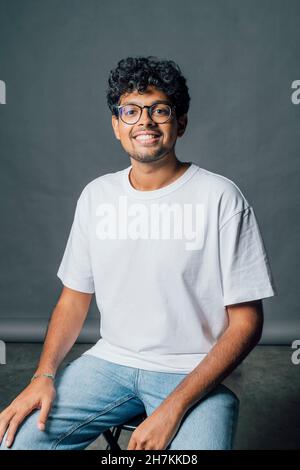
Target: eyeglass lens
{"x":131,"y":113}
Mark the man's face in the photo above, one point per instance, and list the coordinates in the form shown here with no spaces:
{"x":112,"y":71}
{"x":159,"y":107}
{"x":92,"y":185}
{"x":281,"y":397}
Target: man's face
{"x":163,"y":145}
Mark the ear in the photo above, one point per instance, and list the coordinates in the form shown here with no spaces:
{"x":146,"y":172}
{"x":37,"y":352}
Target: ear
{"x":182,"y":123}
{"x":115,"y":125}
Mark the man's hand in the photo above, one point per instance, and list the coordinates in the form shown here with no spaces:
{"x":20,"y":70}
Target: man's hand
{"x":156,"y":431}
{"x":40,"y":393}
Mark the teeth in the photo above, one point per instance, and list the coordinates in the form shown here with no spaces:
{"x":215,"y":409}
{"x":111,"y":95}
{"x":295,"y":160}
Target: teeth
{"x":146,"y":136}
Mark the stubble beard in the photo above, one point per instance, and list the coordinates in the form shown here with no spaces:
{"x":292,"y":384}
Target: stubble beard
{"x":145,"y":157}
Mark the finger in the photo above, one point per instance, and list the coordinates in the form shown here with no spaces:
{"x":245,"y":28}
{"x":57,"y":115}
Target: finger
{"x":139,"y":446}
{"x":12,"y":428}
{"x":132,"y":444}
{"x":4,"y":422}
{"x":14,"y":423}
{"x":43,"y":416}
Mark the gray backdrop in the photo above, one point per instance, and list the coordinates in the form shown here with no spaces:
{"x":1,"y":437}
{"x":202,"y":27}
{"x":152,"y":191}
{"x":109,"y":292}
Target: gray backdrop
{"x":240,"y":58}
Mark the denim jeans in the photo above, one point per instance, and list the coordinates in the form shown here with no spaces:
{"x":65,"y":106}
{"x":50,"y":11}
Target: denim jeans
{"x":93,"y":395}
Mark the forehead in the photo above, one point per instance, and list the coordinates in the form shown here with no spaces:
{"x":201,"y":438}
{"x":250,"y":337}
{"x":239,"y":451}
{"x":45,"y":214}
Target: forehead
{"x":147,"y":97}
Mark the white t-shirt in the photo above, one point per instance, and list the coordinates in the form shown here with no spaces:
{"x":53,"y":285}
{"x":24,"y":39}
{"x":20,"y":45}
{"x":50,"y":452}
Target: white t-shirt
{"x":163,"y":264}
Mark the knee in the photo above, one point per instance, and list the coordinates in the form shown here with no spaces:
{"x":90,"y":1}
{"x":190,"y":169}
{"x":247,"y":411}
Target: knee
{"x":27,"y":436}
{"x":226,"y":396}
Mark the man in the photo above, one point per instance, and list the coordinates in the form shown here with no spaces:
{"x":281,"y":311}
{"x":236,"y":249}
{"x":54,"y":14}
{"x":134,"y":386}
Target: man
{"x":174,"y":255}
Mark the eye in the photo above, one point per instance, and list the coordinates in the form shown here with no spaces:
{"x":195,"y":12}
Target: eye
{"x":130,"y":110}
{"x":161,"y":110}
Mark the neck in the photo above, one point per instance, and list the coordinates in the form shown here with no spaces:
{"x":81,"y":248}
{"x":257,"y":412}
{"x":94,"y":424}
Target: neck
{"x":149,"y":177}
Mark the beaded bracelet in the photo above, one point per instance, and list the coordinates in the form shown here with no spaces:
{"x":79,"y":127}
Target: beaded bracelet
{"x":42,"y":375}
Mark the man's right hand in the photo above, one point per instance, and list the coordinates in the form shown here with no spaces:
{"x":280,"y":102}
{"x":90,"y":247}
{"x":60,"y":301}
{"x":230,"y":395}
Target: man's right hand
{"x":40,"y":393}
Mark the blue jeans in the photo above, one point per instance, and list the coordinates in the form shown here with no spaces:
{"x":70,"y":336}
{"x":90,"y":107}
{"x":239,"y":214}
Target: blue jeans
{"x":93,"y":395}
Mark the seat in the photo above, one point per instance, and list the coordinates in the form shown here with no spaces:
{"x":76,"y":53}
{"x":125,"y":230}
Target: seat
{"x":112,"y":435}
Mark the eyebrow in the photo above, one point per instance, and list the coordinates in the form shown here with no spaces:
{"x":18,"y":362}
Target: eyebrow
{"x":154,"y":102}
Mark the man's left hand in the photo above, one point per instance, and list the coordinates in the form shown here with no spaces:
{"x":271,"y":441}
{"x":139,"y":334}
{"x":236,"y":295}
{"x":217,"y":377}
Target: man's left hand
{"x":156,"y":431}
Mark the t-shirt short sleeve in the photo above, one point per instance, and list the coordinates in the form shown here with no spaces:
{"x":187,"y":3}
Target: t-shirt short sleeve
{"x":75,"y":270}
{"x":245,"y":268}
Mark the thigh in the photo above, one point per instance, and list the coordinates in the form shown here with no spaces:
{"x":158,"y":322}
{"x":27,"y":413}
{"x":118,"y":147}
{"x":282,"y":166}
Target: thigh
{"x":210,"y":424}
{"x":90,"y":398}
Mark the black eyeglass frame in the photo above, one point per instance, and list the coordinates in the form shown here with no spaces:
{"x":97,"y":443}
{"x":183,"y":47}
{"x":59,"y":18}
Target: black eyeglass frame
{"x":171,"y":106}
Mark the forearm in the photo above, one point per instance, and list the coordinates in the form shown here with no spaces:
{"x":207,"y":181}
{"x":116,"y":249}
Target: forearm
{"x":232,"y":347}
{"x":63,"y":330}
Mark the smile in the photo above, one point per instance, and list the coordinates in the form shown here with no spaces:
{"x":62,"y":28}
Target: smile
{"x":147,"y":139}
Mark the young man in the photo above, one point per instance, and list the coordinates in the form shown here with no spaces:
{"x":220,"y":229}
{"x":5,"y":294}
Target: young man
{"x":174,"y":255}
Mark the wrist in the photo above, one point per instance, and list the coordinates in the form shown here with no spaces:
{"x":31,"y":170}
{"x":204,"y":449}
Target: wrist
{"x":177,"y":408}
{"x":42,"y":375}
{"x":45,"y":369}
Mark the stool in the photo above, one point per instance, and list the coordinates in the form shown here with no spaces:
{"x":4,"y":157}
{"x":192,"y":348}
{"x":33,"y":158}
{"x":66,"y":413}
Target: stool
{"x":112,"y":435}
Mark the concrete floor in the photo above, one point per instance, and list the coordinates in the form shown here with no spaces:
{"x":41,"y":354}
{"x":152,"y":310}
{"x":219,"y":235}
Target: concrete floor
{"x":267,"y":383}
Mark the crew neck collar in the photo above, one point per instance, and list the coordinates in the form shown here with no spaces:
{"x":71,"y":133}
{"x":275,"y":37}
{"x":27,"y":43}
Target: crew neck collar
{"x":189,"y":172}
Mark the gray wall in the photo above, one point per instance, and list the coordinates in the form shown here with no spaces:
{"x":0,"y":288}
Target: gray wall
{"x":240,"y":58}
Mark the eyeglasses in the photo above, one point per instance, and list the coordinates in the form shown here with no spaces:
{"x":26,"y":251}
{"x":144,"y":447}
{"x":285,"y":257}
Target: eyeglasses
{"x":158,"y":112}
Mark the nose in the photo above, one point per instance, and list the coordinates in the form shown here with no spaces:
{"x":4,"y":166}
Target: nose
{"x":145,"y":117}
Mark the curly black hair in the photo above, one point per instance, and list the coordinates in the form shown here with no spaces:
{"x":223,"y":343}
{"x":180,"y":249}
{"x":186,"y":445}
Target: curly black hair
{"x":137,"y":73}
